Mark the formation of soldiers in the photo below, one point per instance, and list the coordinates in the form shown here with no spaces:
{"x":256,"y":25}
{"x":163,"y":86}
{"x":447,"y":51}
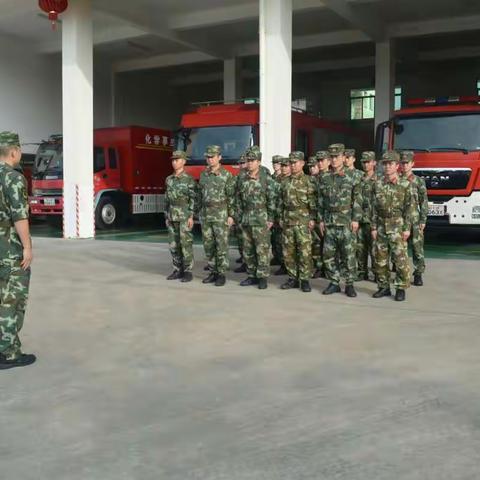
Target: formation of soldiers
{"x":337,"y":222}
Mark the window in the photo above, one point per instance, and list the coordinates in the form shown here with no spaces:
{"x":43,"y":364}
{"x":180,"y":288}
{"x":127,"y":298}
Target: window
{"x":98,"y":159}
{"x":112,"y":158}
{"x":301,"y":141}
{"x":362,"y":103}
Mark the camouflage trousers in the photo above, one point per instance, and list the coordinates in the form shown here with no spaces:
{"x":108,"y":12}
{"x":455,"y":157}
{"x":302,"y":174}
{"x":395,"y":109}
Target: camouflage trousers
{"x":237,"y":231}
{"x":297,"y":251}
{"x":180,"y":239}
{"x":256,"y":250}
{"x":416,"y":241}
{"x":14,"y":284}
{"x":277,"y":243}
{"x":387,"y":244}
{"x":365,"y":249}
{"x":339,"y":254}
{"x":215,"y":243}
{"x":317,"y":248}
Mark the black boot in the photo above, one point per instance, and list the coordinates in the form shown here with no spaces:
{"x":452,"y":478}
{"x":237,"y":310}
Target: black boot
{"x":305,"y":286}
{"x":207,"y":268}
{"x":187,"y":277}
{"x":382,"y":292}
{"x":248,"y":281}
{"x":241,"y":269}
{"x":239,"y":260}
{"x":400,"y":295}
{"x":332,"y":288}
{"x":210,"y":279}
{"x":350,"y":291}
{"x":175,"y":275}
{"x":290,"y":283}
{"x":281,"y":271}
{"x":22,"y":361}
{"x":418,"y":280}
{"x":220,"y":280}
{"x":262,"y":283}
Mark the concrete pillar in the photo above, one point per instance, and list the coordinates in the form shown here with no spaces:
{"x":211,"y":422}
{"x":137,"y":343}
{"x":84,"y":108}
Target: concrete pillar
{"x":275,"y":78}
{"x":232,"y":80}
{"x":77,"y":70}
{"x":384,"y":81}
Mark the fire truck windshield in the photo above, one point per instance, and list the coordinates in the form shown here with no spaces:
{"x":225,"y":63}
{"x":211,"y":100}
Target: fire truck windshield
{"x":49,"y":159}
{"x":449,"y":132}
{"x":234,"y":140}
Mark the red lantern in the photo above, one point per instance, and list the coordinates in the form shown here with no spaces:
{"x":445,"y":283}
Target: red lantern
{"x":53,"y":8}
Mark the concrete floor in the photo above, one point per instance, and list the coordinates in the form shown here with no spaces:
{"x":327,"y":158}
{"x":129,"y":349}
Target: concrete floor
{"x":139,"y":378}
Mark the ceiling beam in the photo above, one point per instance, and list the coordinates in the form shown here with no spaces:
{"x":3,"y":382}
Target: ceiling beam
{"x":368,"y":24}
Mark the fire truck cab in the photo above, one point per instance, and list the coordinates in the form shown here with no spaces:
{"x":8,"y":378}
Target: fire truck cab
{"x":444,"y":133}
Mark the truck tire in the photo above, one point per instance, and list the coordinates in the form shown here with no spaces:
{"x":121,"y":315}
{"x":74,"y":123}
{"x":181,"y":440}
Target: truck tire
{"x":106,"y":213}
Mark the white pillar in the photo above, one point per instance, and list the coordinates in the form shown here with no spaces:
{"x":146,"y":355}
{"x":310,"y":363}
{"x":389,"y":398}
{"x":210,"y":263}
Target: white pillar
{"x":275,"y":78}
{"x":77,"y":69}
{"x":232,"y":79}
{"x":384,"y":81}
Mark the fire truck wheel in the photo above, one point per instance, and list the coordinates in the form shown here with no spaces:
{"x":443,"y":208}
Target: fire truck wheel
{"x":106,"y":214}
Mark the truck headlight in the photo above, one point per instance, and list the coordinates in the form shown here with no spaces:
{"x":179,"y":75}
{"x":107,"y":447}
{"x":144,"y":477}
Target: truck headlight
{"x":476,"y":212}
{"x":33,"y":202}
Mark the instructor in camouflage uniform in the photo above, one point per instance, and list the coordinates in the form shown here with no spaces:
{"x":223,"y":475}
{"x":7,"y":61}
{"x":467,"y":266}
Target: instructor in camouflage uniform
{"x":297,"y":209}
{"x":180,"y":207}
{"x":365,"y":244}
{"x":255,"y":213}
{"x":15,"y":253}
{"x":420,"y":213}
{"x":216,"y":205}
{"x":391,"y":226}
{"x":339,"y":213}
{"x":314,"y":171}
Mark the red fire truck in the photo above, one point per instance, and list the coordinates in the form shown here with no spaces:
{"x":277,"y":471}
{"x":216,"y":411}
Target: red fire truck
{"x":130,"y":165}
{"x":444,"y":133}
{"x":236,"y":126}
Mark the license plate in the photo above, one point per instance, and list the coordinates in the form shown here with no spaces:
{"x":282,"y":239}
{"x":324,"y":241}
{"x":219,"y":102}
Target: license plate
{"x":49,"y":201}
{"x":435,"y":210}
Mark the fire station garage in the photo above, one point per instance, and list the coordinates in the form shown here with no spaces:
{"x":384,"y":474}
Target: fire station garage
{"x":140,"y":378}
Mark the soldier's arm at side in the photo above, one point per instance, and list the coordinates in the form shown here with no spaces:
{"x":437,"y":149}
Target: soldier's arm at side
{"x":408,"y":212}
{"x":320,"y":207}
{"x":192,"y":198}
{"x":373,"y":211}
{"x":230,"y":194}
{"x":423,"y":201}
{"x":271,"y":200}
{"x":357,"y":203}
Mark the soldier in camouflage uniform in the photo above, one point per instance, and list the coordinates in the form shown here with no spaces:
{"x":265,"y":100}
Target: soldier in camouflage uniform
{"x":339,"y":213}
{"x":420,"y":213}
{"x":15,"y":253}
{"x":350,"y":169}
{"x":365,"y":244}
{"x":392,"y":211}
{"x":256,"y":212}
{"x":314,"y":171}
{"x":323,"y":161}
{"x":242,"y":168}
{"x":179,"y":207}
{"x":276,"y":237}
{"x":216,"y":202}
{"x":297,"y":207}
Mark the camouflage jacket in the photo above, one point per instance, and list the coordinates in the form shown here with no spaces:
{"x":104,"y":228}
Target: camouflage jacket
{"x":180,"y":197}
{"x":420,"y":199}
{"x":13,"y":207}
{"x":216,"y":196}
{"x":356,"y":174}
{"x":297,"y":202}
{"x":256,"y":200}
{"x":365,"y":192}
{"x":392,"y":205}
{"x":338,"y":199}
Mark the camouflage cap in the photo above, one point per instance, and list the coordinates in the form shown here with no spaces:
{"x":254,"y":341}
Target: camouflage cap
{"x":368,"y":156}
{"x":285,"y":161}
{"x":253,"y":153}
{"x":276,"y":159}
{"x":350,"y":152}
{"x":179,"y":154}
{"x":296,"y":155}
{"x":9,"y":139}
{"x":213,"y":150}
{"x":312,"y":161}
{"x":336,"y":149}
{"x":322,"y":155}
{"x":406,"y":156}
{"x":242,"y":158}
{"x":390,"y":156}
